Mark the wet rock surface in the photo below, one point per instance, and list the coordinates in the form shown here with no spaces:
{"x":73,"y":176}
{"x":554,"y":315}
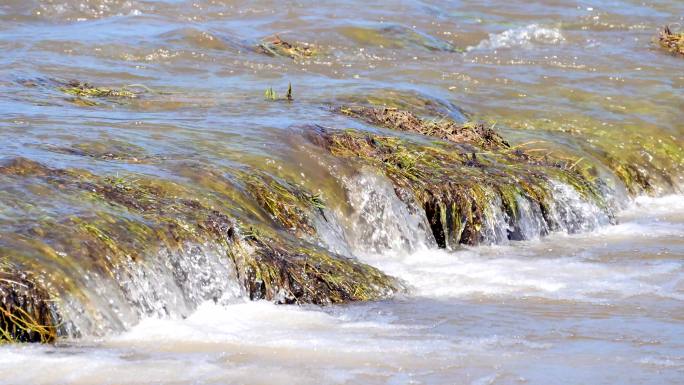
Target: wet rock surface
{"x":145,"y":228}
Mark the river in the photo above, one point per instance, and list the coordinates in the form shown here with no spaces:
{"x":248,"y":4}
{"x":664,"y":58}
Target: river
{"x":598,"y":302}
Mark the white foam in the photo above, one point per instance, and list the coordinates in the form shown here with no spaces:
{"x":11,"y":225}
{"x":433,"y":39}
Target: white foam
{"x":525,"y":37}
{"x":650,"y":206}
{"x":518,"y":272}
{"x":380,"y":221}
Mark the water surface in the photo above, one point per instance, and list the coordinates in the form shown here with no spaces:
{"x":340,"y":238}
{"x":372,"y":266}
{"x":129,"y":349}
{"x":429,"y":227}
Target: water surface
{"x":602,"y":307}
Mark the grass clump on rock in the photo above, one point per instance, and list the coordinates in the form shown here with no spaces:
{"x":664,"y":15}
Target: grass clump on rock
{"x":672,"y":41}
{"x":86,"y":90}
{"x":287,"y":204}
{"x":473,"y":133}
{"x":275,"y":46}
{"x":458,"y":183}
{"x":289,"y":273}
{"x":26,"y":311}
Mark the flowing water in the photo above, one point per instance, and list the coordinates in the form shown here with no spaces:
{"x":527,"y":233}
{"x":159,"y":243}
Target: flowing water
{"x":591,"y":303}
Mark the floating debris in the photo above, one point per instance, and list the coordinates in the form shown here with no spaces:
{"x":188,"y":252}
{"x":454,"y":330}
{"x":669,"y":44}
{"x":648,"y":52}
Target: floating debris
{"x":672,"y":41}
{"x":275,"y":46}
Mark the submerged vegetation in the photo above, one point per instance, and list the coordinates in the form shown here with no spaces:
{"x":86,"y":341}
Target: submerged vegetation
{"x":85,"y":94}
{"x":672,"y":41}
{"x":472,"y":133}
{"x":134,"y":221}
{"x":397,"y":37}
{"x":457,"y":185}
{"x":275,"y":46}
{"x":86,"y":90}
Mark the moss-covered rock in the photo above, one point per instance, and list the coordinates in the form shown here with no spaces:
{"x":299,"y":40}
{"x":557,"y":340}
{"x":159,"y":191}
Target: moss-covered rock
{"x":646,"y":159}
{"x":459,"y":184}
{"x":27,"y":313}
{"x":141,"y":222}
{"x":289,"y":273}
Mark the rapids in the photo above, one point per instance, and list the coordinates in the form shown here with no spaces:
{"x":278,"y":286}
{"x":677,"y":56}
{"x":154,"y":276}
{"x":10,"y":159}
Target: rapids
{"x":137,"y":194}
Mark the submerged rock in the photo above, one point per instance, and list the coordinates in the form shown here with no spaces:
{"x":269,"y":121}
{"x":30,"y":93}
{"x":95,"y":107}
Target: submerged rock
{"x":276,"y":46}
{"x":473,"y":189}
{"x":472,"y":133}
{"x":154,"y":248}
{"x":396,"y":37}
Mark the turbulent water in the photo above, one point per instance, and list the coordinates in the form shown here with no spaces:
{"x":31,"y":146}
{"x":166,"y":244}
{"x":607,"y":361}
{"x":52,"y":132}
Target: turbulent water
{"x":591,"y":303}
{"x":600,"y":308}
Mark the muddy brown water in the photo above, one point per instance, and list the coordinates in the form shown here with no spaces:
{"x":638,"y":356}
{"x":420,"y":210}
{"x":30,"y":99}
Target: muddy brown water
{"x":601,"y":307}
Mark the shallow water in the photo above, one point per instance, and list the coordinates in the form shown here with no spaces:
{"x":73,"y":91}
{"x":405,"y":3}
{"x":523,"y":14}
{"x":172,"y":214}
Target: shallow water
{"x":602,"y":307}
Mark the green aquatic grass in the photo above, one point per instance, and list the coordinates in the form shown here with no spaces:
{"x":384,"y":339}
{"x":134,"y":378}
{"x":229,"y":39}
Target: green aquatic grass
{"x":456,"y":183}
{"x":135,"y":217}
{"x":26,"y":314}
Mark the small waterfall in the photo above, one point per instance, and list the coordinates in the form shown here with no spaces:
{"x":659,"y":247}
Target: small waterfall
{"x":172,"y":283}
{"x":380,"y":221}
{"x":572,"y":213}
{"x":496,"y":226}
{"x":530,"y":222}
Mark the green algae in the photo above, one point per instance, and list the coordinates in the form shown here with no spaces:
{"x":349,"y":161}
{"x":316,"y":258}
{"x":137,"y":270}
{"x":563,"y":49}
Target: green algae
{"x":671,"y":41}
{"x":456,"y":183}
{"x":136,"y":219}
